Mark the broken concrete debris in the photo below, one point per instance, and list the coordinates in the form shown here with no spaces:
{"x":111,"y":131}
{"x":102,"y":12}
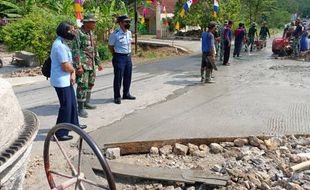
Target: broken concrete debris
{"x":250,"y":163}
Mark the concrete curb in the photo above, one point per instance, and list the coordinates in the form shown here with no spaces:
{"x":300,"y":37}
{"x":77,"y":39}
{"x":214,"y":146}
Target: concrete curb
{"x":164,"y":44}
{"x":18,"y":81}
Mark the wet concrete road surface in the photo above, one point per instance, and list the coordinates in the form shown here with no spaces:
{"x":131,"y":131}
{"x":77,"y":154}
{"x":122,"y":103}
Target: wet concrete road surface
{"x":256,"y":95}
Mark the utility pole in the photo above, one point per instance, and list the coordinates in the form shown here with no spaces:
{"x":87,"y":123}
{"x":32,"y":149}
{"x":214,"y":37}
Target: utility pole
{"x":136,"y":28}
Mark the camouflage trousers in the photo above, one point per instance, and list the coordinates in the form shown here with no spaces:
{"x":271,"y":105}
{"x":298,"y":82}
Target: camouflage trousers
{"x":296,"y":46}
{"x":251,"y":42}
{"x":217,"y":48}
{"x":84,"y":84}
{"x":221,"y":50}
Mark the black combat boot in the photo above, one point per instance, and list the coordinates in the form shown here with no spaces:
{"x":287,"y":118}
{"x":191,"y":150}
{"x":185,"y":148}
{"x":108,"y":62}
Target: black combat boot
{"x":87,"y":104}
{"x":81,"y":110}
{"x":208,"y":76}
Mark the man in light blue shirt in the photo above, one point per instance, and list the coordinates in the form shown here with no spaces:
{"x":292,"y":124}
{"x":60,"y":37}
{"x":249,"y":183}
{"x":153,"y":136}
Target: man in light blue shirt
{"x":120,"y":47}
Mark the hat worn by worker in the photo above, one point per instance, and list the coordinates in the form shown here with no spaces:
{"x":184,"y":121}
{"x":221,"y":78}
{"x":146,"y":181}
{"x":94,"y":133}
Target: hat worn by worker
{"x":89,"y":18}
{"x":122,"y":18}
{"x":211,"y":24}
{"x":253,"y":24}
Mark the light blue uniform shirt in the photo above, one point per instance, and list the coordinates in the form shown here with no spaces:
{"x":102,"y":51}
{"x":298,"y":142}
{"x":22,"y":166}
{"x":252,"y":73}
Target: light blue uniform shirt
{"x":121,"y":41}
{"x":60,"y":53}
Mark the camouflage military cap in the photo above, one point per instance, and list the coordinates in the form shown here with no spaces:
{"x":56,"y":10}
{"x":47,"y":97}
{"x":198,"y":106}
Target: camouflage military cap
{"x":89,"y":18}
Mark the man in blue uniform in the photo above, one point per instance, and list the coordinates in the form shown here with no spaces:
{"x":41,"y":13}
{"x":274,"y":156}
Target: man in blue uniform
{"x":120,"y":47}
{"x":297,"y":36}
{"x":227,"y":42}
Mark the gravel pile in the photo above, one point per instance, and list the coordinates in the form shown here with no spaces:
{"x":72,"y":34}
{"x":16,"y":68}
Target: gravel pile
{"x":251,"y":163}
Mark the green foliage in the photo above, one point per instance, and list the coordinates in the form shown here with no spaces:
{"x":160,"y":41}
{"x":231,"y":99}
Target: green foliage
{"x":9,"y":9}
{"x":304,"y":7}
{"x":104,"y":52}
{"x":202,"y":12}
{"x":34,"y":33}
{"x":64,"y":7}
{"x":275,"y":12}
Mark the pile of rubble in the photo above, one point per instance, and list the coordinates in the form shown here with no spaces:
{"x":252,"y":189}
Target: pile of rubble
{"x":250,"y":163}
{"x":26,"y":72}
{"x":191,"y":33}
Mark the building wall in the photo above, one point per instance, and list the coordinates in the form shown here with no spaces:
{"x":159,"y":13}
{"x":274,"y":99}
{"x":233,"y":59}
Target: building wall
{"x":152,"y":26}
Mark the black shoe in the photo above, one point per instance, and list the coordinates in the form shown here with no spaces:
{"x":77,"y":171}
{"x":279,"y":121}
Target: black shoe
{"x":117,"y":100}
{"x":129,"y":97}
{"x":83,"y":126}
{"x":64,"y":138}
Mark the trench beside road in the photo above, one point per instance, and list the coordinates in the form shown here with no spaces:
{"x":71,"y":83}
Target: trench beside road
{"x":256,"y":95}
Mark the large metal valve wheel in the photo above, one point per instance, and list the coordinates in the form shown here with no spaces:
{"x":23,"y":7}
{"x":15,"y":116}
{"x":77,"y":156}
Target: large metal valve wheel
{"x":77,"y":179}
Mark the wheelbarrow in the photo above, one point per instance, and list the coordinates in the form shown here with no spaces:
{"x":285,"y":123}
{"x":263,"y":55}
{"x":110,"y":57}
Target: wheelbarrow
{"x":77,"y":179}
{"x":259,"y":44}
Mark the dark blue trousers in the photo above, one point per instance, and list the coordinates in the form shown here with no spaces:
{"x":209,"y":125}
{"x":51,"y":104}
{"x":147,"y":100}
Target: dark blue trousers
{"x":68,"y":109}
{"x":122,"y":73}
{"x":238,"y":47}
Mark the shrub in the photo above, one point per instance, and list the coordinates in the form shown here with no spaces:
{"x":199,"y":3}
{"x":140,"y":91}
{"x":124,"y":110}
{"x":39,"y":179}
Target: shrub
{"x":104,"y":52}
{"x":34,"y":33}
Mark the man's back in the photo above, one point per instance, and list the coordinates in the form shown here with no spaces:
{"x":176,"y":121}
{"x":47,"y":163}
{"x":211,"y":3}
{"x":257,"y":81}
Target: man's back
{"x":207,"y":41}
{"x":252,"y":32}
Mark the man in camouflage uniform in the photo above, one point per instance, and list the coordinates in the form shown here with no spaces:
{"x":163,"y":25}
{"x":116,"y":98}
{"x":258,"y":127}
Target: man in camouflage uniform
{"x":217,"y":38}
{"x":85,"y":60}
{"x":221,"y":32}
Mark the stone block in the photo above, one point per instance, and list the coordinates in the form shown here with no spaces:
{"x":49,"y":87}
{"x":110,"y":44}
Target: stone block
{"x":192,"y":148}
{"x":180,"y":149}
{"x":216,"y":148}
{"x":25,"y":59}
{"x":165,"y":150}
{"x":240,"y":142}
{"x":113,"y":153}
{"x":154,"y":151}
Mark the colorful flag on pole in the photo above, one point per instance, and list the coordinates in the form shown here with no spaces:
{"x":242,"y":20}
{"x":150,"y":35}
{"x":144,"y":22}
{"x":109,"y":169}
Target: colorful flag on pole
{"x":177,"y":26}
{"x":189,"y":3}
{"x":147,"y":5}
{"x":216,"y":8}
{"x":195,"y":1}
{"x":182,"y":13}
{"x":78,"y":4}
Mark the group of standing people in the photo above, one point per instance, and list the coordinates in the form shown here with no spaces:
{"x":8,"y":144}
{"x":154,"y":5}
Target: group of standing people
{"x":297,"y":33}
{"x":216,"y":42}
{"x":78,"y":64}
